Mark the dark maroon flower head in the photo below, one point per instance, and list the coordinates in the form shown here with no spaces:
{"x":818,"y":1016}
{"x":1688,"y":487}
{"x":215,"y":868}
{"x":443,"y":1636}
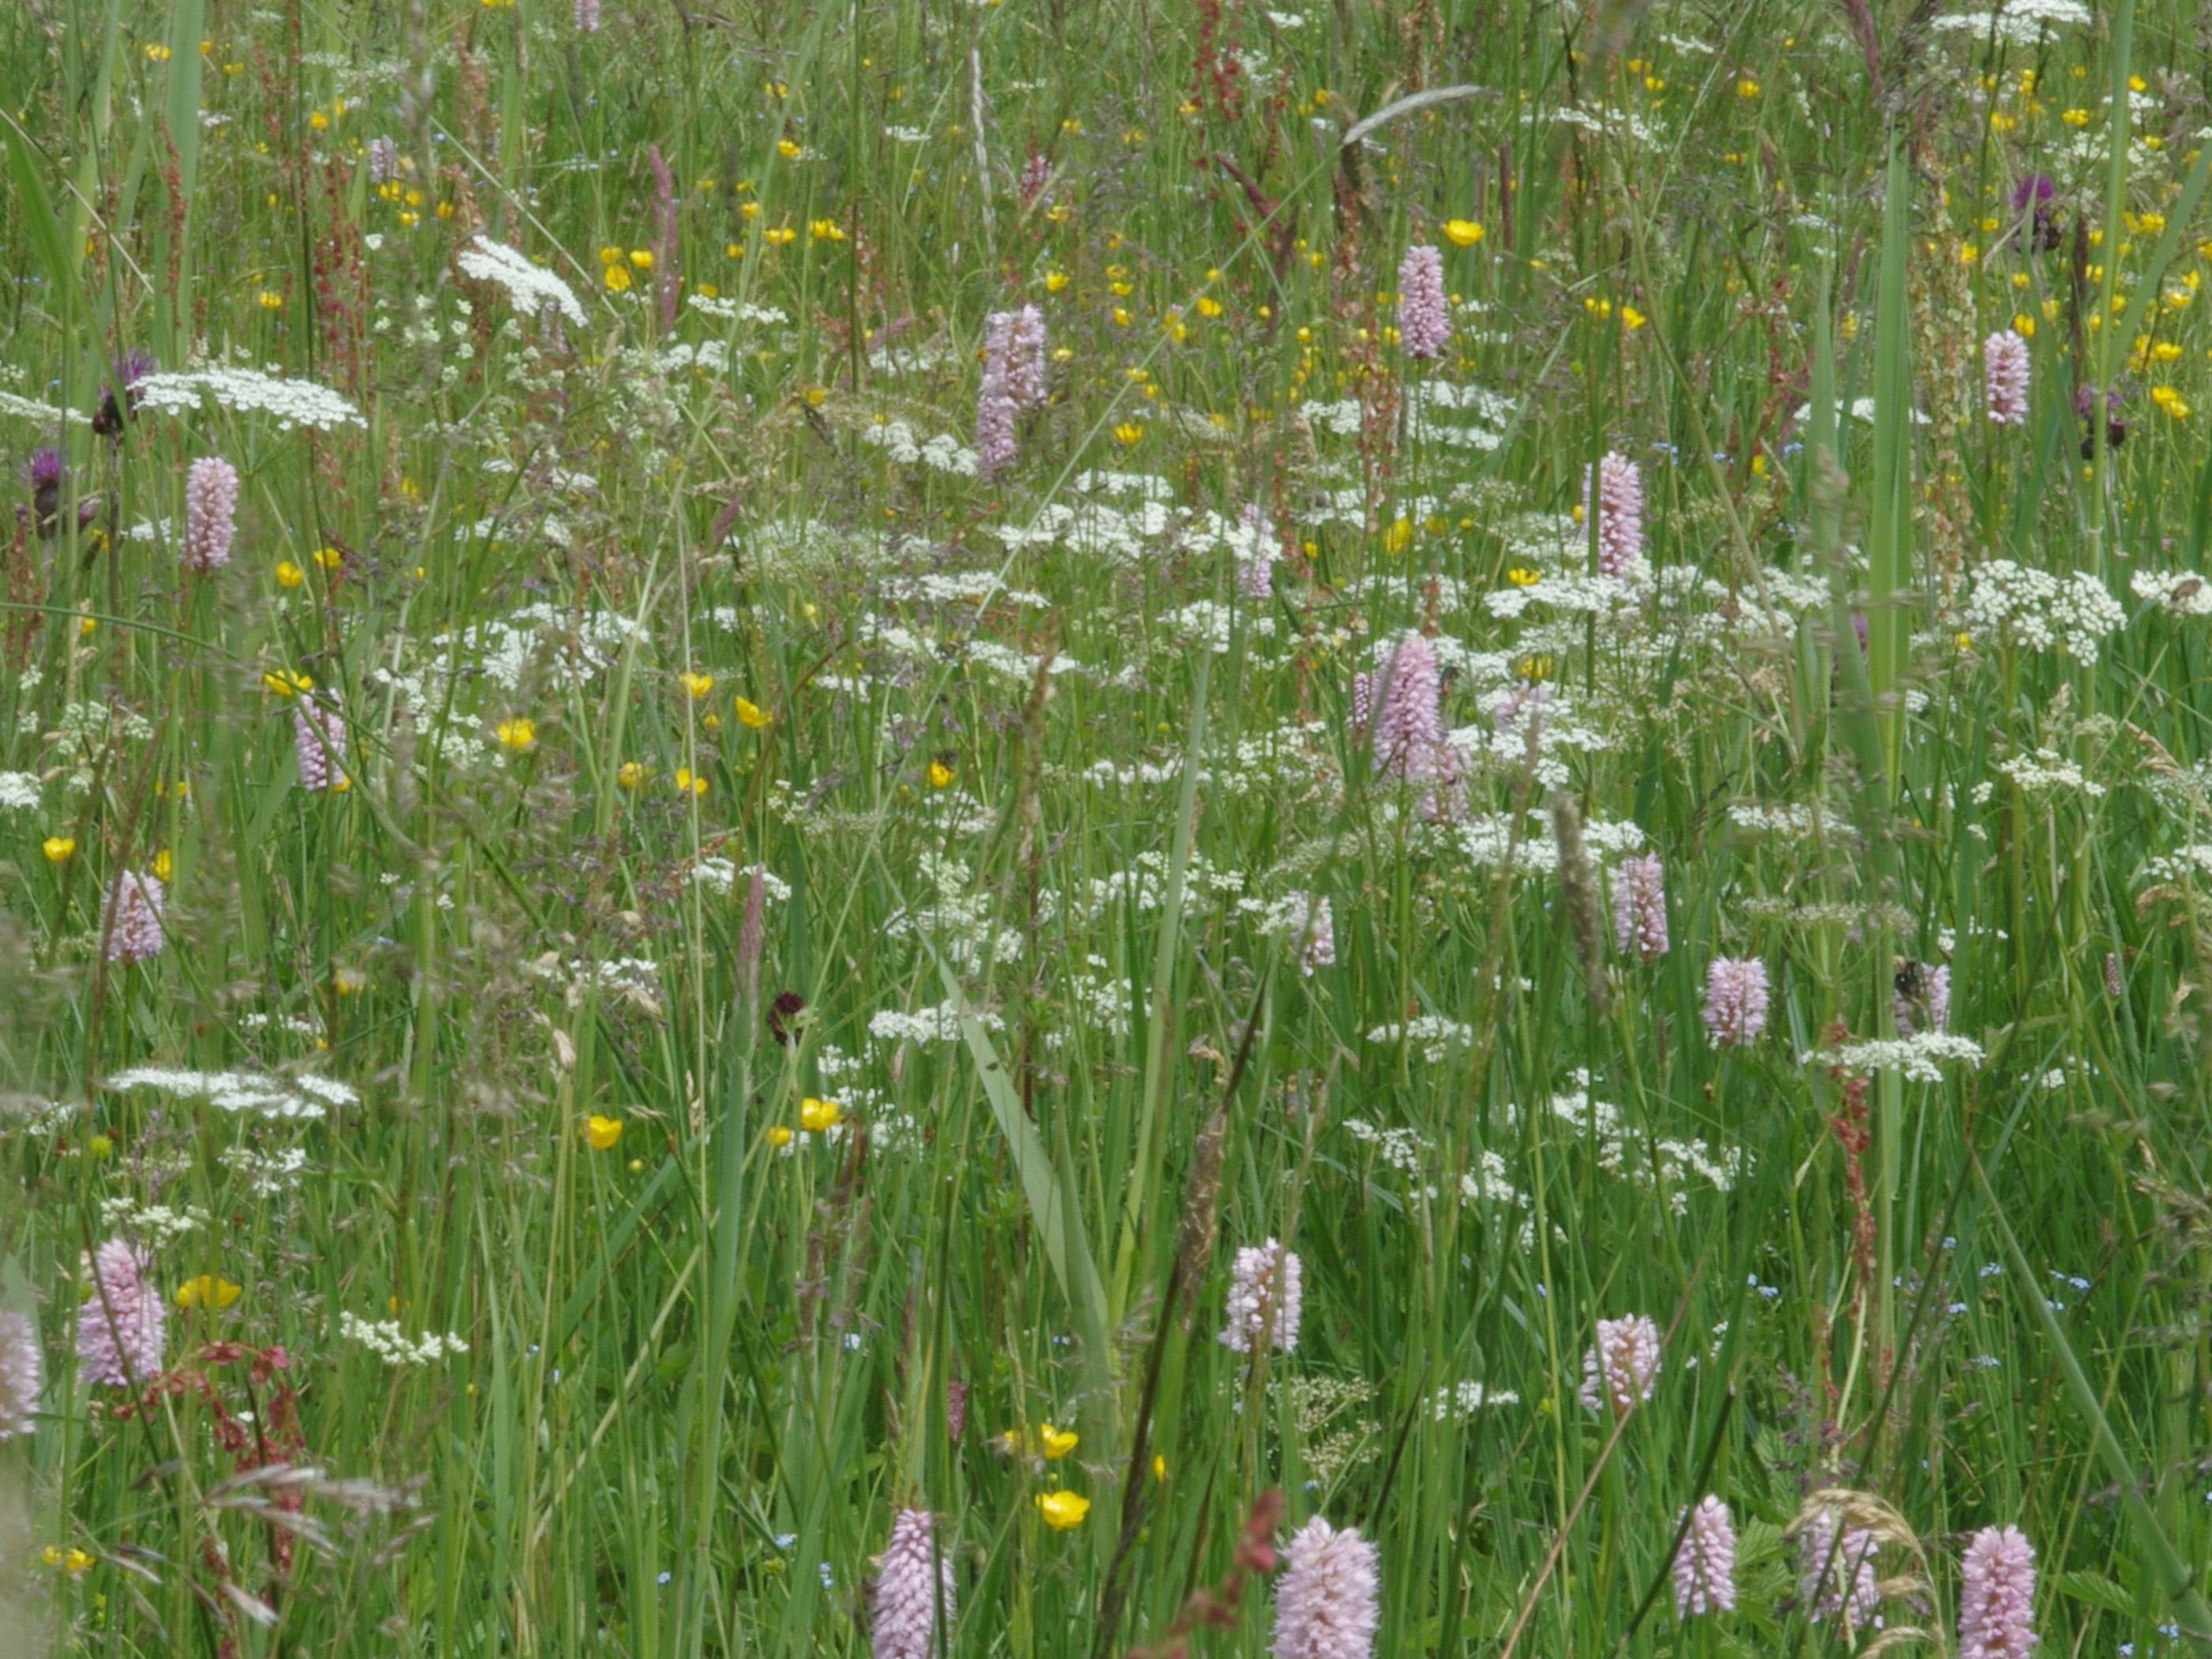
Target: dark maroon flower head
{"x":131,"y":367}
{"x":2116,"y":428}
{"x":782,"y":1013}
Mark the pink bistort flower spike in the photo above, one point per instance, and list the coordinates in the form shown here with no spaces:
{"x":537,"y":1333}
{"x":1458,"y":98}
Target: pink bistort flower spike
{"x":1704,"y":1566}
{"x":1736,"y":1001}
{"x":135,"y":932}
{"x":1622,"y":1366}
{"x":319,"y":741}
{"x":903,"y":1604}
{"x":2004,"y":378}
{"x":210,"y":513}
{"x":1835,"y":1571}
{"x":1265,"y":1292}
{"x":1618,"y":505}
{"x":22,"y":1374}
{"x":1405,"y":727}
{"x":121,"y":1329}
{"x":1639,"y":907}
{"x":1423,"y":316}
{"x":1996,"y":1597}
{"x":1324,"y":1601}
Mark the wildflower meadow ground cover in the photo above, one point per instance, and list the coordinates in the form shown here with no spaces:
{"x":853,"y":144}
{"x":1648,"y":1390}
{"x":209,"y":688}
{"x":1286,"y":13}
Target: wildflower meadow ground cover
{"x":1043,"y":828}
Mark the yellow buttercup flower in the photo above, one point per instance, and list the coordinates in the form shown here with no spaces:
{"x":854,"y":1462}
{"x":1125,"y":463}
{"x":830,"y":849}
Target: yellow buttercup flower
{"x":289,"y":574}
{"x":163,"y":864}
{"x":1054,"y":1443}
{"x":1062,"y":1509}
{"x":1521,"y":576}
{"x":1464,"y":232}
{"x":206,"y":1291}
{"x":779,"y":1135}
{"x":752,"y":713}
{"x":629,"y":774}
{"x":518,"y":734}
{"x":697,"y":683}
{"x":816,"y":1115}
{"x":688,"y":782}
{"x":601,"y":1132}
{"x":1396,"y":539}
{"x":939,"y":774}
{"x":619,"y":278}
{"x":71,"y":1559}
{"x":1128,"y":432}
{"x":58,"y":847}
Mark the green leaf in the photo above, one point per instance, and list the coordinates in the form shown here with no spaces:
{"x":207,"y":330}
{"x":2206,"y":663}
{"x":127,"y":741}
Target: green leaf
{"x":36,"y":202}
{"x":2096,"y":1590}
{"x":187,"y":24}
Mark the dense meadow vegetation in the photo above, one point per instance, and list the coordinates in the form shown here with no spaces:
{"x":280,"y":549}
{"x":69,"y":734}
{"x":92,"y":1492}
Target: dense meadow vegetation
{"x":1073,"y":827}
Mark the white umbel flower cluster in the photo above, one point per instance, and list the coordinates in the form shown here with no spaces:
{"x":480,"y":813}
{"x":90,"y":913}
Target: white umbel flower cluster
{"x":531,"y":288}
{"x":246,"y":1092}
{"x":249,"y":392}
{"x":383,"y":1339}
{"x":2037,"y":610}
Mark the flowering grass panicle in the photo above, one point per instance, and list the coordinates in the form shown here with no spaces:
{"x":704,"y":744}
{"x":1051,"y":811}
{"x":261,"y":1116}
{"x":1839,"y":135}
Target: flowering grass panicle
{"x":1264,"y":1296}
{"x":1705,"y":1564}
{"x":1736,"y":1001}
{"x":135,"y":930}
{"x":1424,"y":314}
{"x":2004,"y":378}
{"x":1621,"y":1369}
{"x":1617,"y":501}
{"x":912,"y":1581}
{"x":210,"y":513}
{"x":22,"y":1373}
{"x":1639,"y":907}
{"x":122,"y":1328}
{"x":1835,"y":1572}
{"x":1997,"y":1595}
{"x":1325,"y":1601}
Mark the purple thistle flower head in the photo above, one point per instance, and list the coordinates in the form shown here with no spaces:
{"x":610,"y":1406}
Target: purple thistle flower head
{"x":904,"y":1599}
{"x":1997,"y":1595}
{"x":2032,"y":191}
{"x":118,"y":400}
{"x":44,"y":470}
{"x":121,"y":1329}
{"x":1325,"y":1601}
